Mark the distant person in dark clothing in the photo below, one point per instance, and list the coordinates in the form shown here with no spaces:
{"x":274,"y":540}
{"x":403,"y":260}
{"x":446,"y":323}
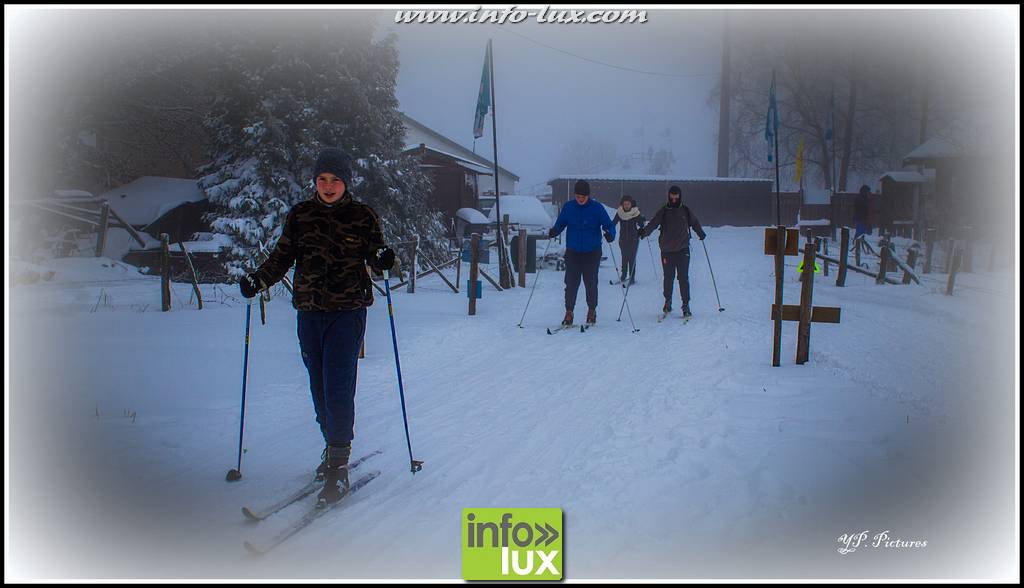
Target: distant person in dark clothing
{"x":861,"y":212}
{"x":675,"y":221}
{"x":630,"y":220}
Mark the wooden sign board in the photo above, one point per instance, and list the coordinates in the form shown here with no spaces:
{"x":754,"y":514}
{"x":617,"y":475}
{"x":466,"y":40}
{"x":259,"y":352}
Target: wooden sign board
{"x":820,"y":314}
{"x":792,"y":241}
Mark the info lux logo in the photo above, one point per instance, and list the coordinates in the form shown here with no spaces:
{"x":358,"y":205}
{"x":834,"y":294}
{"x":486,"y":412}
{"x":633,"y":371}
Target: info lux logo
{"x":512,"y":544}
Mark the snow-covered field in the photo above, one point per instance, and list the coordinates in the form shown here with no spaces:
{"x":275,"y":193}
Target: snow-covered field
{"x":675,"y":452}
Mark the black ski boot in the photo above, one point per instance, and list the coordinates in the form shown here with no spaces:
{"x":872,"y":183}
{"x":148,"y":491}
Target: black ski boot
{"x":686,"y":310}
{"x":336,"y":472}
{"x":667,"y":308}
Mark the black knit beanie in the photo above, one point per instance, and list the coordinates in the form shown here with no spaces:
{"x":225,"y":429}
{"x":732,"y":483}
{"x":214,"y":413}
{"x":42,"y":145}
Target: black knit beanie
{"x":582,"y":188}
{"x":333,"y":161}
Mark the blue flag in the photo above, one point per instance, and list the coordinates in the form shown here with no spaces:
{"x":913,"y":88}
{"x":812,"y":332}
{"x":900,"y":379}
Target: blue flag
{"x":483,"y":101}
{"x":771,"y":123}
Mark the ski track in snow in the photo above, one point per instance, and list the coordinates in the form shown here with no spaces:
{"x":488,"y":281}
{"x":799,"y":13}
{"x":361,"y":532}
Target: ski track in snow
{"x":681,"y":437}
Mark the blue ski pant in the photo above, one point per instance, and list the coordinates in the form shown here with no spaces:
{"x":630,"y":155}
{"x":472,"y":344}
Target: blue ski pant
{"x":330,"y":343}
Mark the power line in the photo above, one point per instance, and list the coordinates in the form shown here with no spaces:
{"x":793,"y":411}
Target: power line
{"x":612,"y":65}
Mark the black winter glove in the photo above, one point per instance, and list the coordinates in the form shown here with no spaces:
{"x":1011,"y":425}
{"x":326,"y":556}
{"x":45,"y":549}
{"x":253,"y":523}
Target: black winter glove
{"x":552,"y":233}
{"x":384,"y":260}
{"x":249,"y":285}
{"x":608,"y":237}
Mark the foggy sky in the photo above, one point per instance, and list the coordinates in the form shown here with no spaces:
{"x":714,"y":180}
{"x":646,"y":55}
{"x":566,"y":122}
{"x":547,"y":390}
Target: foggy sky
{"x":545,"y":97}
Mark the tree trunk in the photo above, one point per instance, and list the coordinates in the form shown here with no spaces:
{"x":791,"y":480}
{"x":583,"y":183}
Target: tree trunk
{"x":851,"y":109}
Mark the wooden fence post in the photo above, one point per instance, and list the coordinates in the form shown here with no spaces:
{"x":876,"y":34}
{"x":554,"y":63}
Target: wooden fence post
{"x":856,"y":249}
{"x":929,"y":249}
{"x":954,"y":267}
{"x":950,"y":253}
{"x":911,"y":261}
{"x":414,"y":247}
{"x":165,"y":272}
{"x":195,"y":275}
{"x":522,"y":258}
{"x":780,"y":264}
{"x":101,"y":236}
{"x":844,"y":254}
{"x":803,"y":339}
{"x":883,"y":264}
{"x":474,"y":271}
{"x":967,"y":261}
{"x":458,"y":271}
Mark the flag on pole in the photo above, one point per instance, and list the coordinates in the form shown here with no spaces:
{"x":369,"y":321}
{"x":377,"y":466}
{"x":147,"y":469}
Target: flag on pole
{"x":800,"y":161}
{"x":771,"y":123}
{"x":483,"y":101}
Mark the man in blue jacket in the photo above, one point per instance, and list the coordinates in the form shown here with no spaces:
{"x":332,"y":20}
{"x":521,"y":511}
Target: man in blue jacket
{"x":584,"y":218}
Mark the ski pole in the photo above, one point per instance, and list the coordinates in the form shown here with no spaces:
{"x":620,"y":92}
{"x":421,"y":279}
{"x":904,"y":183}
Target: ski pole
{"x":720,"y":309}
{"x":651,"y":251}
{"x":414,"y":465}
{"x":236,"y":474}
{"x":624,"y":291}
{"x":536,"y":278}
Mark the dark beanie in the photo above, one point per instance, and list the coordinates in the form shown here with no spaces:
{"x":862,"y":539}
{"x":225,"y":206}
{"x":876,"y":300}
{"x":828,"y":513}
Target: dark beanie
{"x":582,"y":188}
{"x":675,"y":190}
{"x":333,"y":161}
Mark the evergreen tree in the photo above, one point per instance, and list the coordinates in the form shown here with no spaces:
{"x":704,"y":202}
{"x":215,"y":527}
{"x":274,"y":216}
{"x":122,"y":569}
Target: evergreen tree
{"x":283,"y":97}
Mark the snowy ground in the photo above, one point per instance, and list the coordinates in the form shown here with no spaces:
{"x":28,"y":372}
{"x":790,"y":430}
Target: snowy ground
{"x":676,"y":451}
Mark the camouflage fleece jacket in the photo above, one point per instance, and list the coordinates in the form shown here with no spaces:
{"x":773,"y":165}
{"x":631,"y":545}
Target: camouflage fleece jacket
{"x":329,"y":244}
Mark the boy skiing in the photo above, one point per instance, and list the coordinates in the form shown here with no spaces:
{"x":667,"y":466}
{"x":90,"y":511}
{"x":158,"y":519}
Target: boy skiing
{"x":330,"y":239}
{"x":675,"y":220}
{"x":585,"y":219}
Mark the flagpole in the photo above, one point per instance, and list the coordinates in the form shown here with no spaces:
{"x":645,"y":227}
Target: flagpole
{"x":504,"y":275}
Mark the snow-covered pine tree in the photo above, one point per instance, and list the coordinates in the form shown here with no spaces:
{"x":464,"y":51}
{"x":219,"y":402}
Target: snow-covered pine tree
{"x":283,"y":98}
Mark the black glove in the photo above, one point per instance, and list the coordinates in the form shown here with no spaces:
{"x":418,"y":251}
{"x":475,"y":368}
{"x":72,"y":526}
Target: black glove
{"x":552,"y":233}
{"x":384,"y":260}
{"x":608,"y":237}
{"x":641,"y":221}
{"x":249,"y":285}
{"x":703,"y":236}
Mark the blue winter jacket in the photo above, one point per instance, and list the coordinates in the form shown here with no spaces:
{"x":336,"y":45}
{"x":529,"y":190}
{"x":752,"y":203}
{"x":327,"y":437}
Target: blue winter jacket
{"x":584,"y":223}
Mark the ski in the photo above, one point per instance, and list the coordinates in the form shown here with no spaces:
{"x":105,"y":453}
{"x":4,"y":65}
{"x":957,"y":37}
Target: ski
{"x":584,"y":328}
{"x":662,"y":316}
{"x":552,"y":331}
{"x":313,"y":514}
{"x":299,"y":494}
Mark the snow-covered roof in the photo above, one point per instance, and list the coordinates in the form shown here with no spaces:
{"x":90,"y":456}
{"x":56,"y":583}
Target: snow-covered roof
{"x":909,"y":177}
{"x":933,"y":148}
{"x":146,"y":199}
{"x":417,"y":132}
{"x":524,"y":210}
{"x":903,"y":177}
{"x":472,"y":216}
{"x":652,"y":178}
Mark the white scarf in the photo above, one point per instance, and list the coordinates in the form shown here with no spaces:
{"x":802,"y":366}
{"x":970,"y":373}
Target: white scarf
{"x":632,"y":214}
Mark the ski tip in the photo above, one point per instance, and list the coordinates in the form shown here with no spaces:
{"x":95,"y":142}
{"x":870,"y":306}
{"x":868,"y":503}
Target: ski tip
{"x":549,"y":332}
{"x":253,"y":549}
{"x":250,"y":515}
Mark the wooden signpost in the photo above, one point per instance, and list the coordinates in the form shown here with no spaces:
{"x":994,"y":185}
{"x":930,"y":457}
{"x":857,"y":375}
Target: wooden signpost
{"x":805,"y":313}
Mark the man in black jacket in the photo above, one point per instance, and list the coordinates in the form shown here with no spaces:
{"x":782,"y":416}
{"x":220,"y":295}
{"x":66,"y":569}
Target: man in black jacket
{"x":630,"y":220}
{"x":675,"y":221}
{"x":330,"y":239}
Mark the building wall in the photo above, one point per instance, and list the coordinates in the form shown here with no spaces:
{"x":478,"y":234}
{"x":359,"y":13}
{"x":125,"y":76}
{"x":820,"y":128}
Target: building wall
{"x":716,"y":203}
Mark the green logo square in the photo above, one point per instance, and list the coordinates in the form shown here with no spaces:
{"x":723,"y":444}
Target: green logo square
{"x":512,"y":544}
